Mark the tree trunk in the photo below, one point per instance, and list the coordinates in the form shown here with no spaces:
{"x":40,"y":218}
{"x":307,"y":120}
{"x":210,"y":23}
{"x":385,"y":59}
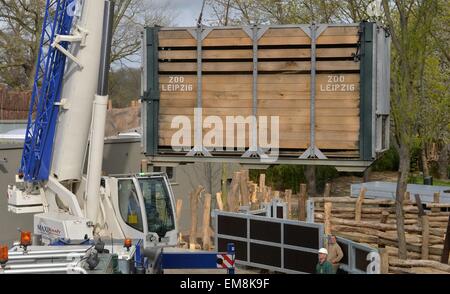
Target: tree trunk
{"x":424,"y":159}
{"x":366,"y":175}
{"x":402,"y":182}
{"x":310,"y":174}
{"x":443,"y":162}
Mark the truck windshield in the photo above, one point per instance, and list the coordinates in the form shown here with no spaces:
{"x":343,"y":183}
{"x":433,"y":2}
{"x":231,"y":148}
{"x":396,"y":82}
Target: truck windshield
{"x":157,"y":205}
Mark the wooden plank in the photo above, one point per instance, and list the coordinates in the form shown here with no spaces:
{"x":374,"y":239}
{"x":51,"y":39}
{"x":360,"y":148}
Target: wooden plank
{"x":285,"y":32}
{"x":264,"y":66}
{"x":332,"y":40}
{"x":282,"y":95}
{"x":266,"y":41}
{"x":247,"y":79}
{"x":287,"y":144}
{"x":174,"y":34}
{"x":270,"y":104}
{"x":321,"y":121}
{"x":227,"y":33}
{"x":341,"y":31}
{"x":221,"y":111}
{"x":280,"y":53}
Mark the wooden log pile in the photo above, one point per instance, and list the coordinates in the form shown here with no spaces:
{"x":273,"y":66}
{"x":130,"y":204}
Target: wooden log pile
{"x":373,"y":222}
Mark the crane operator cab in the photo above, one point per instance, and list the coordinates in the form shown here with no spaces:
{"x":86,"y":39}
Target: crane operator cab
{"x":144,"y":208}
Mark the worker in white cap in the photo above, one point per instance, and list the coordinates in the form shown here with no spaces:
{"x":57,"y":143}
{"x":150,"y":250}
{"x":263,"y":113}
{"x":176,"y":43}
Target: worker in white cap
{"x":324,"y":266}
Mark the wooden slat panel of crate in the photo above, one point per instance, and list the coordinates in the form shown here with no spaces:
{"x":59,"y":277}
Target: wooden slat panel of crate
{"x":283,"y":83}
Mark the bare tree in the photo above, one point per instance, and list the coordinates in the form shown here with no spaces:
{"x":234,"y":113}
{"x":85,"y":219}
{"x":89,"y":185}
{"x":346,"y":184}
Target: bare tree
{"x":131,"y":16}
{"x":21,"y":25}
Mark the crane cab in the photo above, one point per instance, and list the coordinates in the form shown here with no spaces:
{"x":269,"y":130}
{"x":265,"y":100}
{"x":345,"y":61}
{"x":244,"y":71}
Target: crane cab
{"x":143,"y":208}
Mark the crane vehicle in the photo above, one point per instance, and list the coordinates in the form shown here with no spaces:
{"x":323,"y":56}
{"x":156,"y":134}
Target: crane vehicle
{"x":67,"y":114}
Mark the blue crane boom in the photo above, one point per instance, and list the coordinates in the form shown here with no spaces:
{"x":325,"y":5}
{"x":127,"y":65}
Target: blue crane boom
{"x":43,"y":112}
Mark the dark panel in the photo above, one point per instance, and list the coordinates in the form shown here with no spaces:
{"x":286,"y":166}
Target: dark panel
{"x":152,"y":94}
{"x":232,"y":226}
{"x":265,"y":231}
{"x":365,"y":135}
{"x":300,"y":261}
{"x":360,"y":259}
{"x":279,"y":211}
{"x":241,"y":248}
{"x":264,"y":254}
{"x":344,"y":248}
{"x":301,"y":236}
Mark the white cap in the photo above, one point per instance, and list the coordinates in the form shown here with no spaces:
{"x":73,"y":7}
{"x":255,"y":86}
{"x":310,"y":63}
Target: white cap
{"x":323,"y":250}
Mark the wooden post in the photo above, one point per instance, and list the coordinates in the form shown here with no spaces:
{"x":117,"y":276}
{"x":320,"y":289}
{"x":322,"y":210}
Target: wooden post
{"x":262,"y":182}
{"x":384,"y":261}
{"x":359,"y":203}
{"x":302,"y":203}
{"x":419,"y":204}
{"x":193,"y":232}
{"x":219,"y":201}
{"x":110,"y":106}
{"x":446,"y":250}
{"x":232,"y":198}
{"x":436,"y":199}
{"x":254,"y":197}
{"x":288,"y":198}
{"x":206,"y":221}
{"x":194,"y":209}
{"x":244,"y":187}
{"x":384,"y":216}
{"x":178,"y":215}
{"x":406,"y":197}
{"x":327,"y":191}
{"x":144,"y":165}
{"x":276,"y":194}
{"x":425,"y":237}
{"x":178,"y":211}
{"x":259,"y":197}
{"x":327,"y":221}
{"x":269,"y":194}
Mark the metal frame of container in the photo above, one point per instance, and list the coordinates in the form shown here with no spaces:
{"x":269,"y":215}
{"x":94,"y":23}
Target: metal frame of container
{"x":374,"y":56}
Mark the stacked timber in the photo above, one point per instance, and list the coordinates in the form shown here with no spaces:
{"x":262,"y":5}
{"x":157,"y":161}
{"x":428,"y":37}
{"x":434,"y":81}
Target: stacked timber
{"x":283,"y":83}
{"x":374,"y":222}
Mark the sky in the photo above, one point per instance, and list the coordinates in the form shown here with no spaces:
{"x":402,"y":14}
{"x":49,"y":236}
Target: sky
{"x":186,"y":11}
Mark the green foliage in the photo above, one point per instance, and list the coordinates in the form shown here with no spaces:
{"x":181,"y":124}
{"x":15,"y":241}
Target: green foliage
{"x":387,"y":162}
{"x":418,"y":179}
{"x":281,"y":177}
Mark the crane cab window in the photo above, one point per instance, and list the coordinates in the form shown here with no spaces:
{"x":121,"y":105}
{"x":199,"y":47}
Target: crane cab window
{"x":129,"y":206}
{"x":158,"y":207}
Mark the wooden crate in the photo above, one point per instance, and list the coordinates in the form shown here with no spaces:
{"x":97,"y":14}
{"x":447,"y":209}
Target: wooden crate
{"x":283,"y":83}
